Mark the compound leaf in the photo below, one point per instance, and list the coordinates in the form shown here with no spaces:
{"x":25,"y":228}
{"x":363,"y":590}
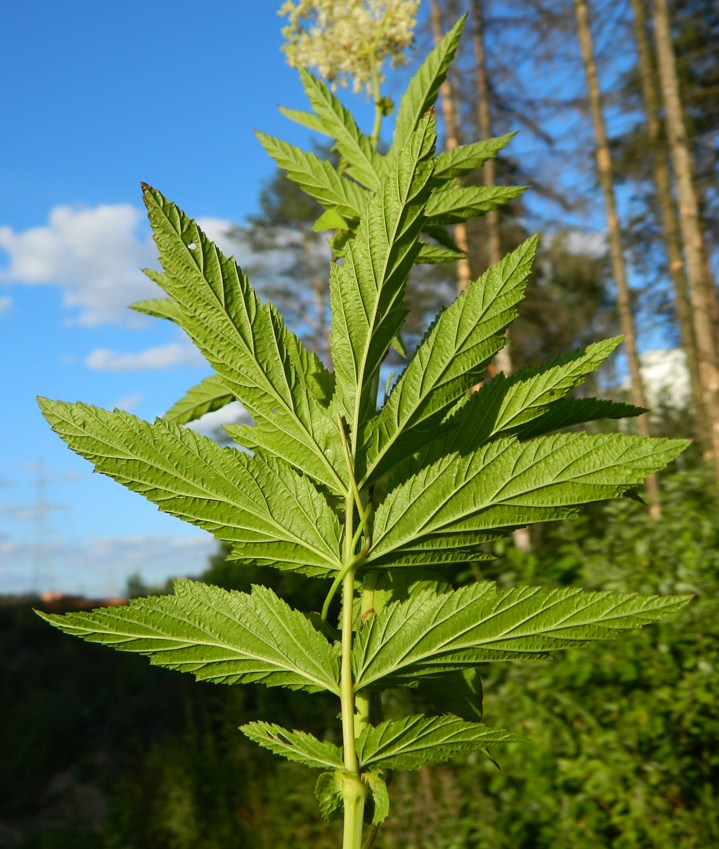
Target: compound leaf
{"x":306,"y":119}
{"x":436,"y":254}
{"x":527,"y":393}
{"x":266,"y":510}
{"x":424,"y":86}
{"x":452,"y":205}
{"x":364,"y":164}
{"x":366,"y":292}
{"x":449,"y":361}
{"x":159,"y":308}
{"x":509,"y":483}
{"x":316,"y":177}
{"x":573,"y":411}
{"x":294,"y":745}
{"x":208,"y":395}
{"x":466,"y":158}
{"x":414,"y":741}
{"x":219,"y":636}
{"x":504,"y":404}
{"x":459,"y":693}
{"x":433,"y":634}
{"x":247,"y":344}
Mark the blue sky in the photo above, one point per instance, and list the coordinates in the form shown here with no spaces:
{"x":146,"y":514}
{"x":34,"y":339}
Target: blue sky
{"x":96,"y":98}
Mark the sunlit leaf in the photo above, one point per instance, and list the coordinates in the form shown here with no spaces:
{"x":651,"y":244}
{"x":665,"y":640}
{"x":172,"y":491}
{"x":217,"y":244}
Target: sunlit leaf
{"x":294,"y":745}
{"x":219,"y":636}
{"x":432,"y":634}
{"x":414,"y":741}
{"x":266,"y":510}
{"x":207,"y":396}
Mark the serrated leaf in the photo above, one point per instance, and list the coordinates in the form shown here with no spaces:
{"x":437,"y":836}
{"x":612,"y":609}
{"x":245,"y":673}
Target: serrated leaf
{"x":328,"y":792}
{"x":219,"y":636}
{"x":330,"y":220}
{"x":208,"y":395}
{"x":459,"y":693}
{"x":366,"y":293}
{"x":506,"y":484}
{"x":462,"y":160}
{"x":379,"y":796}
{"x":306,"y":119}
{"x":448,"y":362}
{"x":400,"y":584}
{"x":434,"y":254}
{"x":414,"y":741}
{"x":308,"y":366}
{"x":504,"y":404}
{"x":433,"y":634}
{"x":159,"y":308}
{"x":567,"y":412}
{"x":267,"y":511}
{"x":247,"y":344}
{"x":364,"y":164}
{"x":315,"y":176}
{"x":442,"y":236}
{"x":514,"y":401}
{"x":294,"y":745}
{"x":452,"y":205}
{"x":424,"y":86}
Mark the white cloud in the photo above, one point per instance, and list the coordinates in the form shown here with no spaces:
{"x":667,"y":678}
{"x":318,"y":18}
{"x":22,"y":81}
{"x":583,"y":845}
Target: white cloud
{"x":94,"y":255}
{"x":129,"y":402}
{"x":28,"y":512}
{"x":160,"y":357}
{"x":665,"y":379}
{"x":591,"y":243}
{"x":210,"y":423}
{"x":5,"y":303}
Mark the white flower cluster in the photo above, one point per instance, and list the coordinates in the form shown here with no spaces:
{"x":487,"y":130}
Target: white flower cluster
{"x":348,"y":40}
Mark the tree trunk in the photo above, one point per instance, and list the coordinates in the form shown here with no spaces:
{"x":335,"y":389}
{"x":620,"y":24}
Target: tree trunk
{"x":449,"y":116}
{"x":503,"y":359}
{"x":484,"y":125}
{"x":464,"y":272}
{"x":661,"y":173}
{"x":606,"y":180}
{"x":690,"y":224}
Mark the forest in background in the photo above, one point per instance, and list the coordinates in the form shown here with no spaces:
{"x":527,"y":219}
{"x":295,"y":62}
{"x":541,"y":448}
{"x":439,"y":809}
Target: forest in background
{"x":103,"y":751}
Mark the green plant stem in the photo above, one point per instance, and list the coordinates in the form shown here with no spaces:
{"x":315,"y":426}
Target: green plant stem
{"x":354,"y":792}
{"x":363,"y":700}
{"x":353,"y":788}
{"x":347,"y":696}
